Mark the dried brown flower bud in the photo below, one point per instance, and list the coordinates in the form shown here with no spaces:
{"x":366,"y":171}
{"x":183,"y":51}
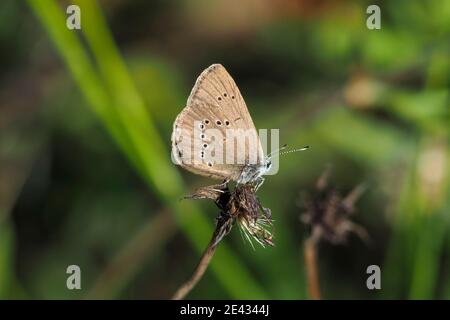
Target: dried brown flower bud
{"x":328,"y":213}
{"x":240,"y":205}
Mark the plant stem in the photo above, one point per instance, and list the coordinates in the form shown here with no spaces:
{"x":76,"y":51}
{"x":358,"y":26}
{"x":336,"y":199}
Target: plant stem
{"x":199,"y":271}
{"x":310,"y":255}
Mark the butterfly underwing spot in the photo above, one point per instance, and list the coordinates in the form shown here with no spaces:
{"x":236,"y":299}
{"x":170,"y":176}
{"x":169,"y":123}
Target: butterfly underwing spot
{"x":202,"y":136}
{"x":232,"y":97}
{"x":202,"y":126}
{"x":209,"y":164}
{"x":202,"y":154}
{"x":219,"y":98}
{"x":218,"y":122}
{"x":180,"y":154}
{"x":225,"y":94}
{"x":206,"y":121}
{"x":227,"y":123}
{"x":205,"y":145}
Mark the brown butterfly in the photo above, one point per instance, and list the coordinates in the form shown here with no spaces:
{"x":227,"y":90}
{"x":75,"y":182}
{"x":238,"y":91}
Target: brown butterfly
{"x":214,"y":118}
{"x":214,"y":136}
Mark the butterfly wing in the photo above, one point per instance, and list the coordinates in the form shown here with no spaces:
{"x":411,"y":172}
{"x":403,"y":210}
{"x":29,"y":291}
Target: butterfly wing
{"x":215,"y":105}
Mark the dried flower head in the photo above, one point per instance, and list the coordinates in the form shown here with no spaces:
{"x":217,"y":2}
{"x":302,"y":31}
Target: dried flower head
{"x":328,"y":213}
{"x":253,"y":219}
{"x":240,"y":205}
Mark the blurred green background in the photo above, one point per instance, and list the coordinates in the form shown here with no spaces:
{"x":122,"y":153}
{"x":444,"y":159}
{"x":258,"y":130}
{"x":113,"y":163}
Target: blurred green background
{"x":85,"y":123}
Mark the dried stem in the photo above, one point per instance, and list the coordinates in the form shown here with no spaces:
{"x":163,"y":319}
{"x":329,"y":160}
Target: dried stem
{"x":240,"y":205}
{"x":310,"y":255}
{"x":199,"y":271}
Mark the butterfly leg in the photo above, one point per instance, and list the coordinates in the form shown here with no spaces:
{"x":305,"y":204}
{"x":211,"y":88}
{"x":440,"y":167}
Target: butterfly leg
{"x":258,"y":183}
{"x":223,"y":185}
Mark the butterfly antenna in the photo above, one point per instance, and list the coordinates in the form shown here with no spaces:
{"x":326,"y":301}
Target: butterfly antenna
{"x":291,"y":151}
{"x":278,"y":150}
{"x":295,"y":150}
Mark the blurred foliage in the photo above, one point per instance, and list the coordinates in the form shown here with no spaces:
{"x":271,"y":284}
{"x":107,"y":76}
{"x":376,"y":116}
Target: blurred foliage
{"x":85,"y":124}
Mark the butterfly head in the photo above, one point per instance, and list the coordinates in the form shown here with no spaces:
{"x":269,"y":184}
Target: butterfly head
{"x":252,"y":173}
